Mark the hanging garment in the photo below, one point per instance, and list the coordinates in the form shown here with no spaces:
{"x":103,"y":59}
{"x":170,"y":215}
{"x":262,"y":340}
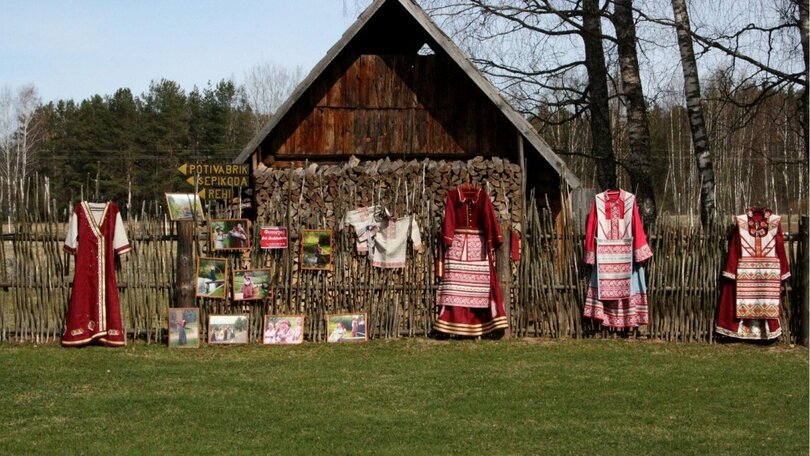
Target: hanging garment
{"x":366,"y":225}
{"x":615,"y":243}
{"x":750,"y":297}
{"x":469,"y":296}
{"x":391,"y":241}
{"x":95,"y":235}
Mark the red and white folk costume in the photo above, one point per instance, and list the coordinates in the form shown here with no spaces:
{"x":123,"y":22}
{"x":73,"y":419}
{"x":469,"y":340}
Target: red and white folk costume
{"x":756,"y":266}
{"x":469,"y":296}
{"x":615,"y":243}
{"x":95,"y":235}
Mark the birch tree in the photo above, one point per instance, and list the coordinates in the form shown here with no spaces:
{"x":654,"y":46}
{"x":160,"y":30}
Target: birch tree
{"x":267,"y":85}
{"x":697,"y":124}
{"x":549,"y":58}
{"x":18,"y":138}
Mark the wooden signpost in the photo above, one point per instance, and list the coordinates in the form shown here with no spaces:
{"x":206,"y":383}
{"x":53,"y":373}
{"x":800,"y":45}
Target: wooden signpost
{"x":216,"y":181}
{"x":185,"y":286}
{"x":211,"y":181}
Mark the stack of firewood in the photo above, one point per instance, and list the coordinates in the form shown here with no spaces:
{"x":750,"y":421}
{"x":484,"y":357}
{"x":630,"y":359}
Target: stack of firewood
{"x":316,"y":194}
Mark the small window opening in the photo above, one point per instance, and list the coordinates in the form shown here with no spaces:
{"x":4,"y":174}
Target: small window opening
{"x":425,"y":50}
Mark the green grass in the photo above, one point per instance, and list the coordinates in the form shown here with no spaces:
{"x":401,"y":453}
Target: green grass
{"x":406,"y":397}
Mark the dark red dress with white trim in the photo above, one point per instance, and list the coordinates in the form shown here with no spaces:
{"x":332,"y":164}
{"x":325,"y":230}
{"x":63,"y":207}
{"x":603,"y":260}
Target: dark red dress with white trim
{"x":95,"y":235}
{"x":750,"y":300}
{"x":469,"y":296}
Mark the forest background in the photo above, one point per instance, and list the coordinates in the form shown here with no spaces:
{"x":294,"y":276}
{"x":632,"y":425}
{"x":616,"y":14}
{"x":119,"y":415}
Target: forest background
{"x":752,"y":57}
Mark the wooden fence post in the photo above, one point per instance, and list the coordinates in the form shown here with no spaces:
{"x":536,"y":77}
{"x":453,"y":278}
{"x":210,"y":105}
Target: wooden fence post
{"x":185,"y":286}
{"x":804,"y":270}
{"x":503,"y":268}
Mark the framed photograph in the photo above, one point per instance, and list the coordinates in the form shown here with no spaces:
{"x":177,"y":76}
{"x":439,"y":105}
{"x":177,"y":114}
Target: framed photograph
{"x":346,"y":327}
{"x":230,"y":234}
{"x":227,"y":329}
{"x":251,"y":284}
{"x":316,"y":249}
{"x":212,"y":278}
{"x":283,"y":329}
{"x":184,"y":206}
{"x":184,"y":327}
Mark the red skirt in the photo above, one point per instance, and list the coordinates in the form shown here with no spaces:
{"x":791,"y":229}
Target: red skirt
{"x":462,"y":311}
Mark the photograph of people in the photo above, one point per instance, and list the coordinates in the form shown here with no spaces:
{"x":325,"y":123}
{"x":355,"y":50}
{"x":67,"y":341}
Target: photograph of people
{"x":229,"y":234}
{"x":270,"y":333}
{"x":248,"y":288}
{"x":316,"y":249}
{"x":182,"y":339}
{"x":227,"y":329}
{"x":219,"y":238}
{"x":184,"y":327}
{"x":337,"y":333}
{"x":283,"y":329}
{"x":211,"y":277}
{"x":251,"y":284}
{"x":346,"y":327}
{"x":238,"y":236}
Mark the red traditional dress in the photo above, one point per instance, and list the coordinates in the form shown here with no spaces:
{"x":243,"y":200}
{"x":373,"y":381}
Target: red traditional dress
{"x":750,"y":299}
{"x":95,"y":234}
{"x":615,"y":243}
{"x":469,"y":296}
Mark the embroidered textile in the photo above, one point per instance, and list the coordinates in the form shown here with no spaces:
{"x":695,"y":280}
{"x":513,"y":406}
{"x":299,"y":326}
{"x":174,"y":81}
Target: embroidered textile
{"x":469,"y":295}
{"x":615,"y":243}
{"x":758,"y":288}
{"x":365,"y":223}
{"x":95,"y":235}
{"x":755,"y":267}
{"x":390,"y":243}
{"x":466,"y":280}
{"x":614,"y":267}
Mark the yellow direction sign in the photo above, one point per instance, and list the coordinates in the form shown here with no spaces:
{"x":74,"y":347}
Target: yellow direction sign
{"x":216,"y":181}
{"x":223,"y":169}
{"x":219,"y":181}
{"x":216,"y":193}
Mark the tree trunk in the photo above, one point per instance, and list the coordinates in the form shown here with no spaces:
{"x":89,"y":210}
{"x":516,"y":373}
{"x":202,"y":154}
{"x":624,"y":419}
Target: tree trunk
{"x":601,"y":136}
{"x":691,"y":87}
{"x":804,"y":32}
{"x":638,"y":130}
{"x":503,"y":269}
{"x":185,"y":287}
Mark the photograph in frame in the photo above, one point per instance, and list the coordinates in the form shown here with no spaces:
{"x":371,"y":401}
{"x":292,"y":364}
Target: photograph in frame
{"x":184,"y":327}
{"x":212,"y":278}
{"x":184,"y":206}
{"x":283,"y":329}
{"x":248,"y":284}
{"x":229,"y":234}
{"x":350,"y":327}
{"x":228,"y":329}
{"x":316,"y":249}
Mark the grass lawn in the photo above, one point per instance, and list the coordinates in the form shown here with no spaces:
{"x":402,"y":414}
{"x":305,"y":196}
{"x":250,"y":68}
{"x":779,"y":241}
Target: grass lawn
{"x":416,"y":396}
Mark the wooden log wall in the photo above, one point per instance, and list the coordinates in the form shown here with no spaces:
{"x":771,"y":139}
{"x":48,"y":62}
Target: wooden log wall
{"x":378,"y":105}
{"x":548,"y":284}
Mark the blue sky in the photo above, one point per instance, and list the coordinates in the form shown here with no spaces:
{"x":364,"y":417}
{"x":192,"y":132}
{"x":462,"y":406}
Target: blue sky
{"x":77,"y":48}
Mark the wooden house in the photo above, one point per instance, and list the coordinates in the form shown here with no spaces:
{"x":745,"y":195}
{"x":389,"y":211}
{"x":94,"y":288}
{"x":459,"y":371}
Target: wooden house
{"x":394,"y":116}
{"x":396,"y":87}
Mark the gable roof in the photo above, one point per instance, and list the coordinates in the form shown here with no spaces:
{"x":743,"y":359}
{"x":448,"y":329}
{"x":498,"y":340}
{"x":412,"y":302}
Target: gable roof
{"x":444,"y":43}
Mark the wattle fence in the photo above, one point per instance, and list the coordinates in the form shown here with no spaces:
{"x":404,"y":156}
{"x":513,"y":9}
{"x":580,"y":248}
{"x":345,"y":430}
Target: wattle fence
{"x":548,"y":283}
